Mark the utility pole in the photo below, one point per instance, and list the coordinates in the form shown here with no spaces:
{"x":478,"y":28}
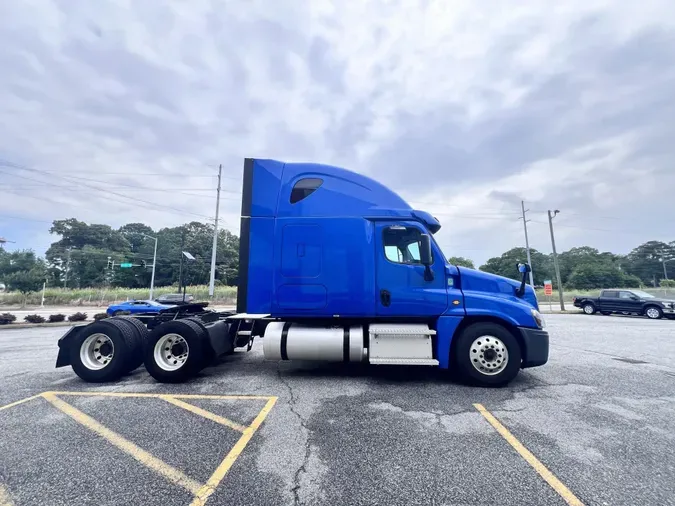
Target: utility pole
{"x":555,"y":258}
{"x":180,"y":267}
{"x":212,"y":279}
{"x":527,"y":243}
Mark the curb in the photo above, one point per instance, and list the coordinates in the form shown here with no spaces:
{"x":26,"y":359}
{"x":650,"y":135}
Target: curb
{"x":560,"y":312}
{"x":10,"y":326}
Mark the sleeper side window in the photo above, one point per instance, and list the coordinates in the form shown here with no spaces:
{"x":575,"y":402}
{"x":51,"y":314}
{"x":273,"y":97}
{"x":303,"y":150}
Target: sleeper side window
{"x":304,"y":188}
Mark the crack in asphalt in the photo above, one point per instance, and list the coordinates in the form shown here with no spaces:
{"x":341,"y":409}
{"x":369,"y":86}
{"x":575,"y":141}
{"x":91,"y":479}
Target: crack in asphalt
{"x":303,"y":468}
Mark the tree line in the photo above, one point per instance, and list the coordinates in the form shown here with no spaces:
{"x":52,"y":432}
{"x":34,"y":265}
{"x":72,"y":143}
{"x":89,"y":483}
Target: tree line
{"x":587,"y":268}
{"x":89,"y":255}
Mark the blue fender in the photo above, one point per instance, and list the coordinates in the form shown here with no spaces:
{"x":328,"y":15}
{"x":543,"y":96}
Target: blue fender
{"x":446,"y":327}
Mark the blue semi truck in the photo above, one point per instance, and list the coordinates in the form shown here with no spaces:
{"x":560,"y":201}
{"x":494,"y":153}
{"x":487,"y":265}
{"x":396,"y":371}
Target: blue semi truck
{"x":334,"y":266}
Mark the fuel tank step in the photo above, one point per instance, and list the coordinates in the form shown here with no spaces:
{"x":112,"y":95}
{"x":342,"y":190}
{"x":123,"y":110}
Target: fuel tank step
{"x":403,"y":361}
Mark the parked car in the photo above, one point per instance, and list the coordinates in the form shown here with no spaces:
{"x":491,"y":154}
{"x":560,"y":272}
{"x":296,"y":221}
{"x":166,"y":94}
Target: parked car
{"x":174,"y":298}
{"x":136,"y":307}
{"x":627,"y":302}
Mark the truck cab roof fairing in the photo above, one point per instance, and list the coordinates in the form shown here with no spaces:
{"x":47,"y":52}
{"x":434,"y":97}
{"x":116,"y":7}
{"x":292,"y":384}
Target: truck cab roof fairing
{"x":271,"y":189}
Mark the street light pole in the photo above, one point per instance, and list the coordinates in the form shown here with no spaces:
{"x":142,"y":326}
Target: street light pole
{"x":527,"y":244}
{"x":154,"y":266}
{"x":555,"y":258}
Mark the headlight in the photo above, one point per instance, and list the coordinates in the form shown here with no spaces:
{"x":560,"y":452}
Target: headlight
{"x":539,"y":319}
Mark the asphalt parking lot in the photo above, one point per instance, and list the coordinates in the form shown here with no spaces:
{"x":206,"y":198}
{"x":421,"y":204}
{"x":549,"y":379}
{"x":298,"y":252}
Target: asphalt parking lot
{"x":595,"y":426}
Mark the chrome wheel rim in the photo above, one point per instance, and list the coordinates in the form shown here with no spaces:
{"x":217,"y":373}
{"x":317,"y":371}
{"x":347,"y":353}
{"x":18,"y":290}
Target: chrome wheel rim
{"x":171,"y":352}
{"x":652,"y":312}
{"x":588,"y":309}
{"x":97,"y":351}
{"x":488,"y":355}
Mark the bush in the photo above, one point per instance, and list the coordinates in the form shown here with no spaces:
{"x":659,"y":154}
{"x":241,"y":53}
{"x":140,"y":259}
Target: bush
{"x":100,"y":316}
{"x":6,"y":318}
{"x":77,"y":317}
{"x":55,"y":318}
{"x":667,"y":283}
{"x":34,"y":318}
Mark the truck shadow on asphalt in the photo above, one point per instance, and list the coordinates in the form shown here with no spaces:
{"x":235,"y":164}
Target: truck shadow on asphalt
{"x":238,"y":365}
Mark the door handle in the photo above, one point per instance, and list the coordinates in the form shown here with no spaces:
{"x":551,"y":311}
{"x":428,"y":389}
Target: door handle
{"x":385,"y":298}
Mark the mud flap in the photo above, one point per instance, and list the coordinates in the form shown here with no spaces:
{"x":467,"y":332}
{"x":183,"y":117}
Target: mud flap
{"x":63,"y":358}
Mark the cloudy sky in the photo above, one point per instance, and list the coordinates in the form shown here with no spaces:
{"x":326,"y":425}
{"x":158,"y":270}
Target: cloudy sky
{"x":463,"y":107}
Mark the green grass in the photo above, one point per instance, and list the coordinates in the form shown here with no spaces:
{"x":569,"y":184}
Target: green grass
{"x":223,"y":295}
{"x":100,"y":296}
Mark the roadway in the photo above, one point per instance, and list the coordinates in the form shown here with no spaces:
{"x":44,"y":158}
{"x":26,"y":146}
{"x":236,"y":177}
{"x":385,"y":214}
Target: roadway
{"x":592,"y":427}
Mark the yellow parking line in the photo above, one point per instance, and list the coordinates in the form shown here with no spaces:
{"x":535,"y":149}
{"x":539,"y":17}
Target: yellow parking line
{"x":16,"y":403}
{"x":547,"y":475}
{"x":175,"y":396}
{"x":5,"y":499}
{"x":169,"y":472}
{"x":210,"y":486}
{"x":203,"y":413}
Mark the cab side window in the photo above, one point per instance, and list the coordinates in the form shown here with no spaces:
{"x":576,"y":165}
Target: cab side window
{"x":402,"y":244}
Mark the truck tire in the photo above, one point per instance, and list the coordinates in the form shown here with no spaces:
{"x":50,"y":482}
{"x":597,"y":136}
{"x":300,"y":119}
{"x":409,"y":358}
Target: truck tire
{"x":588,"y":308}
{"x":141,"y":336}
{"x":176,"y":351}
{"x":487,"y":355}
{"x":653,"y":312}
{"x":102,"y":350}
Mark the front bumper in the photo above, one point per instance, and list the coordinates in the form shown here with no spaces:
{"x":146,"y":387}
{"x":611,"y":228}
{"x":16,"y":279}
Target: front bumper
{"x":535,"y":350}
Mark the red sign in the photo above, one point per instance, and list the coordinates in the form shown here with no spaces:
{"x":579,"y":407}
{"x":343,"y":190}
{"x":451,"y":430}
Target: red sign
{"x":548,"y":288}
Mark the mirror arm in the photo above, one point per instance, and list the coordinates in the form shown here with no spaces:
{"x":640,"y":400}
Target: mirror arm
{"x":524,"y":269}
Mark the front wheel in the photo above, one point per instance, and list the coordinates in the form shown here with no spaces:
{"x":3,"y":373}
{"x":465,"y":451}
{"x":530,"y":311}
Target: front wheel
{"x":487,"y":354}
{"x":653,"y":313}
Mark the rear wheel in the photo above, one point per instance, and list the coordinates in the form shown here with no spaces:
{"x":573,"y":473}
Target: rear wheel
{"x":589,"y":308}
{"x":176,"y":351}
{"x":487,"y":354}
{"x":101,"y":351}
{"x":141,"y":336}
{"x":653,"y":312}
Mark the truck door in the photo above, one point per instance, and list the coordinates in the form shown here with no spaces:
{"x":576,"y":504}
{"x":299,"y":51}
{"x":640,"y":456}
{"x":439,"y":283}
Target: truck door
{"x":629,"y":302}
{"x":401,"y":288}
{"x":609,"y":300}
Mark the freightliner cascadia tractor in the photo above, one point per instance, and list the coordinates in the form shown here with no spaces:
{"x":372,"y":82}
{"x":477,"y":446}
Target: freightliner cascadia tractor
{"x":333,"y":266}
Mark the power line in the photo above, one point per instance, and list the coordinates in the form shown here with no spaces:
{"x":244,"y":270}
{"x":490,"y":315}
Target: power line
{"x":623,"y":230}
{"x":103,"y":190}
{"x":134,"y":199}
{"x":23,"y":219}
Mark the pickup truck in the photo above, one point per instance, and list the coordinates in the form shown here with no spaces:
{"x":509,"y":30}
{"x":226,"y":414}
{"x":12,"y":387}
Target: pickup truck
{"x":626,"y":302}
